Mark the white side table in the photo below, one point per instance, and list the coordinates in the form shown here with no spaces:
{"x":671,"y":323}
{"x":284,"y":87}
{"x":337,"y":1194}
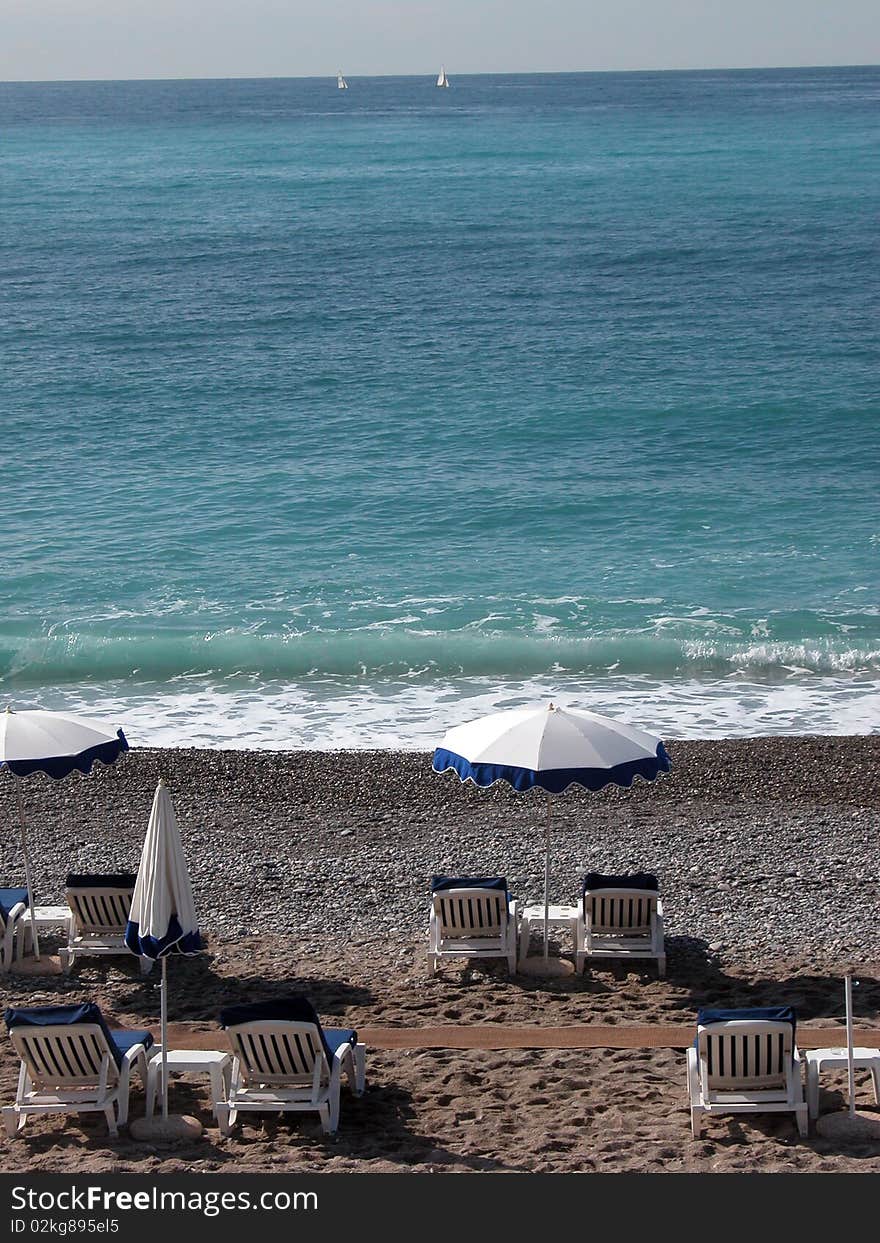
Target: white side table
{"x":532,"y":920}
{"x":825,"y":1059}
{"x":189,"y":1061}
{"x":45,"y":917}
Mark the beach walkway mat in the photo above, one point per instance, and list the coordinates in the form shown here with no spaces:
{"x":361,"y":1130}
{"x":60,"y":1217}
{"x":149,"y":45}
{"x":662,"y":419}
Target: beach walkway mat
{"x":500,"y":1036}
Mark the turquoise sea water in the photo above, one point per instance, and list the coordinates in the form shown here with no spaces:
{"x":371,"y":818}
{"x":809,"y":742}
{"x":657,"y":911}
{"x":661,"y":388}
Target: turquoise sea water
{"x":335,"y":418}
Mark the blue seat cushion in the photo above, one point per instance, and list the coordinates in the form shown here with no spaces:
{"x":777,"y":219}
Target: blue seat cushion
{"x":336,"y":1037}
{"x":119,"y":1042}
{"x":125,"y":1040}
{"x":630,"y":880}
{"x":10,"y":898}
{"x":89,"y":880}
{"x":295,"y":1009}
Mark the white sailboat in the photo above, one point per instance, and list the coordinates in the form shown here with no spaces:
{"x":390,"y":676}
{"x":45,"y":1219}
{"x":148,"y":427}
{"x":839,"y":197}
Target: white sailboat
{"x":442,"y":79}
{"x":341,"y":82}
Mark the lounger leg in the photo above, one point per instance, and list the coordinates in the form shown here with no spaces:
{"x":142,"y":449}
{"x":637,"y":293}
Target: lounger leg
{"x":812,"y":1090}
{"x":360,"y":1069}
{"x":110,"y":1115}
{"x":524,"y":938}
{"x":122,"y":1092}
{"x":432,"y":964}
{"x":803,"y":1124}
{"x":13,"y":1121}
{"x":222,"y":1113}
{"x":875,"y":1074}
{"x":661,"y":967}
{"x":693,"y":1082}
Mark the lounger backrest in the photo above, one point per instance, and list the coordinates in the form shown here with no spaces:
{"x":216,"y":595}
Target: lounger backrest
{"x":279,"y":1051}
{"x":9,"y":900}
{"x":65,"y":1057}
{"x":620,"y":911}
{"x":471,"y":912}
{"x":749,"y":1054}
{"x":100,"y":910}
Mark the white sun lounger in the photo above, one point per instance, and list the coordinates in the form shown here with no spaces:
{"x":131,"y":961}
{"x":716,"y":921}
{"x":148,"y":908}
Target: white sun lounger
{"x":284,"y":1060}
{"x":745,"y":1061}
{"x":13,"y":904}
{"x":100,"y":906}
{"x":471,"y":917}
{"x":620,"y":917}
{"x":71,"y":1062}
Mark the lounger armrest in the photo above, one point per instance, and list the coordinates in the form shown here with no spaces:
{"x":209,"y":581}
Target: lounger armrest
{"x":132,"y":1054}
{"x":659,"y":909}
{"x":15,"y":911}
{"x":511,"y":910}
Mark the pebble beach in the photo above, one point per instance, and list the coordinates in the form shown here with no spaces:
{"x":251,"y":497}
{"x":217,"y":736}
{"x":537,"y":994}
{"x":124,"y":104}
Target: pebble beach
{"x":311,"y":870}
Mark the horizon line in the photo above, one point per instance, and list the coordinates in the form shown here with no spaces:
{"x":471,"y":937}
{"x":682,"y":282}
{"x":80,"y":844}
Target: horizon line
{"x":495,"y":73}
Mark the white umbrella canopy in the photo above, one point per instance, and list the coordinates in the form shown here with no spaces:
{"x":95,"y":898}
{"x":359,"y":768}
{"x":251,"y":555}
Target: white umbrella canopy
{"x":162,"y":919}
{"x":36,"y":741}
{"x":550,"y":748}
{"x":51,"y":742}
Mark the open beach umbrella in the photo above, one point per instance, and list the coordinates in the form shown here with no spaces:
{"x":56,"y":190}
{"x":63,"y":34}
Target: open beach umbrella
{"x":550,"y":748}
{"x":162,"y":919}
{"x":34,"y":741}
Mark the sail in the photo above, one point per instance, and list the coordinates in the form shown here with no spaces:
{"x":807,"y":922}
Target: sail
{"x":442,"y":79}
{"x":341,"y":82}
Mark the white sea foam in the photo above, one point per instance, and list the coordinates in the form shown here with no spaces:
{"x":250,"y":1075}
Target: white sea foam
{"x":329,"y":714}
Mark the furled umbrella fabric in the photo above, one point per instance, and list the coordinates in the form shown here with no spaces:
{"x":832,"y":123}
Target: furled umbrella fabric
{"x":162,"y":920}
{"x":54,"y":743}
{"x":550,"y":748}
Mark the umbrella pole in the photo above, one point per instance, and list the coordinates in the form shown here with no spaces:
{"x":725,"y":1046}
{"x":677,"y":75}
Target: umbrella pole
{"x":850,"y":1056}
{"x":164,"y":1038}
{"x":27,"y":870}
{"x":547,"y":885}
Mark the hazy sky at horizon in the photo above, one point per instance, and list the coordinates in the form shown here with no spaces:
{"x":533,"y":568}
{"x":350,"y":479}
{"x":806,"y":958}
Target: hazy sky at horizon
{"x":68,"y":39}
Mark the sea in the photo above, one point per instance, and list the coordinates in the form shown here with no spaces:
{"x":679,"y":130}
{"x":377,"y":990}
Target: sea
{"x":332,"y":419}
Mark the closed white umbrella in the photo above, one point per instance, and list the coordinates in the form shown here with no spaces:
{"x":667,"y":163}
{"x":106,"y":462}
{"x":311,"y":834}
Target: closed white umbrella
{"x":34,"y":741}
{"x":162,"y":920}
{"x":550,"y":748}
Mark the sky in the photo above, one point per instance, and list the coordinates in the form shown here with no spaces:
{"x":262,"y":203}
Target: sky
{"x":91,"y":39}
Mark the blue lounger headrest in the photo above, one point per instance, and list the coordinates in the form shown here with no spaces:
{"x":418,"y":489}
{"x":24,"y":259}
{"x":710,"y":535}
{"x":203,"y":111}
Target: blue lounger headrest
{"x":758,"y":1014}
{"x":86,"y":880}
{"x":439,"y":883}
{"x":70,"y":1016}
{"x":10,"y":898}
{"x":296,"y":1009}
{"x":632,"y":880}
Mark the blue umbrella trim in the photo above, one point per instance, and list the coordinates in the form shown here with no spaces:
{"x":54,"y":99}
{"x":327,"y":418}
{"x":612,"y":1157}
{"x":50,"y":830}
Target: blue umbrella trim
{"x":62,"y":765}
{"x":173,"y":942}
{"x":554,"y":780}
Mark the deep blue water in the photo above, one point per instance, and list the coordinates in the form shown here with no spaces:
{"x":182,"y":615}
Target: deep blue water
{"x":336,"y":417}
